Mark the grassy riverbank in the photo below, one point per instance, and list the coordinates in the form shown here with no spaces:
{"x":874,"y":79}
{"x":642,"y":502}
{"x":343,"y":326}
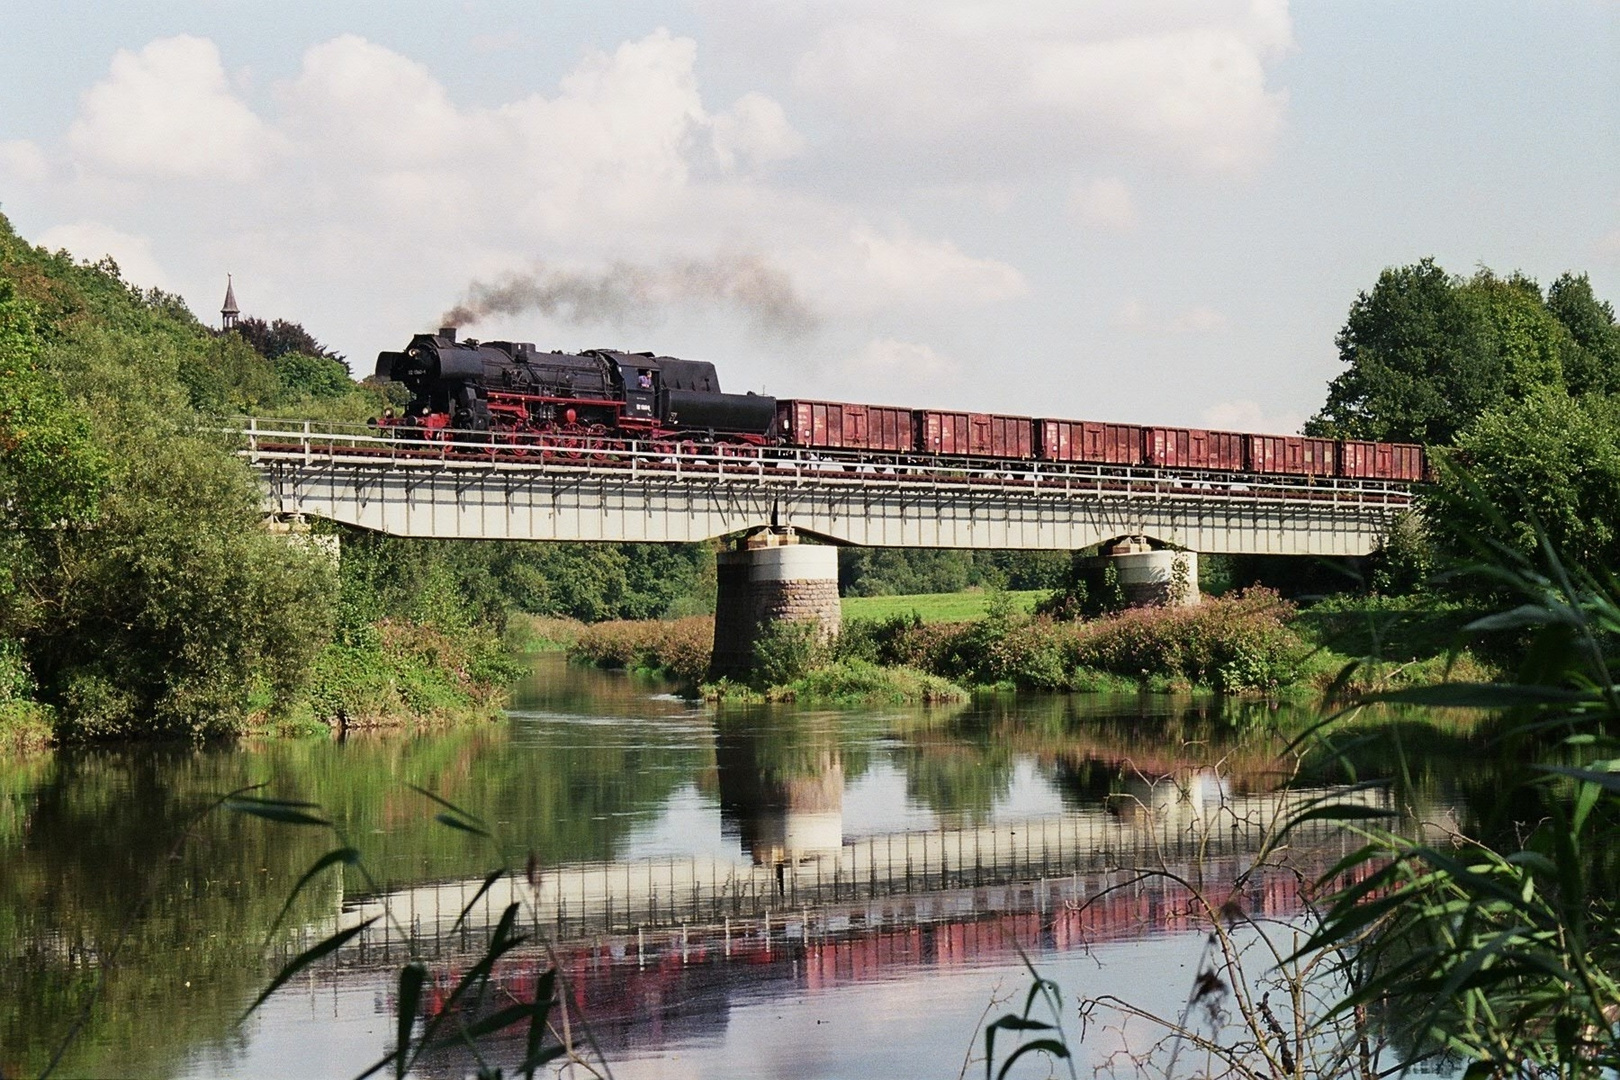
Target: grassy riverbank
{"x":1249,"y":643}
{"x":939,"y":607}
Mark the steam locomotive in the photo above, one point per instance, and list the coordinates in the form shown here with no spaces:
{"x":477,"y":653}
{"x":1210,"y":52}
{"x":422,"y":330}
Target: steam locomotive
{"x":510,"y":391}
{"x":512,"y":388}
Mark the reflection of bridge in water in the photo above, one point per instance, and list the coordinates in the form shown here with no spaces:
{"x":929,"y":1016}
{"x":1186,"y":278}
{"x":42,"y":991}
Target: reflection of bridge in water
{"x":827,"y":890}
{"x":653,"y":990}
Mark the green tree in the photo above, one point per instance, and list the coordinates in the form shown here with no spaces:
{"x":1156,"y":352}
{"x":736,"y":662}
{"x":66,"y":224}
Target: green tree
{"x":280,"y":338}
{"x":1549,"y":461}
{"x":1426,"y":352}
{"x":1413,"y":362}
{"x":177,"y":607}
{"x":51,"y":473}
{"x":1592,"y":365}
{"x":301,"y":375}
{"x":225,"y":376}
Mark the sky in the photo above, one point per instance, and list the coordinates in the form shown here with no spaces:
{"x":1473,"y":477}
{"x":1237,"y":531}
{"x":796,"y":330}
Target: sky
{"x":1101,"y":209}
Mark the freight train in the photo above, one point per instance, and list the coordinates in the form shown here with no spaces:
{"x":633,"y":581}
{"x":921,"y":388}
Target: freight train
{"x":512,"y":392}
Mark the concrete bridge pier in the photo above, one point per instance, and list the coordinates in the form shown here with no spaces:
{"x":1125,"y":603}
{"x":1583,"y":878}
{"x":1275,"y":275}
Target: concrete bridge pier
{"x":1152,"y":577}
{"x":770,"y":577}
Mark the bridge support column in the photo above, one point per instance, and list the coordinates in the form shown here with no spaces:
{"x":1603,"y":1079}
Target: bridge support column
{"x":1151,"y":577}
{"x":770,"y":577}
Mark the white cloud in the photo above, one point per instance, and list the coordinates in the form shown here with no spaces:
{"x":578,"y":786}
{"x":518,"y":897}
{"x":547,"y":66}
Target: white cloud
{"x":168,"y":111}
{"x":931,"y":271}
{"x":1104,"y":203}
{"x":1609,"y":246}
{"x":370,"y":107}
{"x":1201,"y":319}
{"x":887,"y":358}
{"x":1184,"y":81}
{"x":1131,"y":315}
{"x":1249,"y":416}
{"x":1194,"y":94}
{"x":616,"y":146}
{"x":23,"y":161}
{"x":755,"y":131}
{"x":90,"y":240}
{"x":1137,"y":316}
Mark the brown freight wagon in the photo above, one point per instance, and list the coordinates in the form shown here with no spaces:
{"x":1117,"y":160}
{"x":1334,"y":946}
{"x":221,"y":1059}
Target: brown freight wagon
{"x":1293,"y":455}
{"x":1380,"y":461}
{"x":1193,"y":448}
{"x":975,"y":434}
{"x":835,"y":425}
{"x":1086,"y":440}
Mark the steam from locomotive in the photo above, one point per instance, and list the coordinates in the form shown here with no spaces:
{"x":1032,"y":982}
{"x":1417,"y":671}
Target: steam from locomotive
{"x":630,"y":294}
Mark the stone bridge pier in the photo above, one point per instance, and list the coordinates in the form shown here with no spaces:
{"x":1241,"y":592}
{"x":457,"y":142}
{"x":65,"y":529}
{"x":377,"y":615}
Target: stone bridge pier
{"x":769,"y":577}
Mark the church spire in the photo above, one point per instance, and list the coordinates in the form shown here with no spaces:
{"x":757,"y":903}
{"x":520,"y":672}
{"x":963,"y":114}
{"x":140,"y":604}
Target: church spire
{"x":229,"y":312}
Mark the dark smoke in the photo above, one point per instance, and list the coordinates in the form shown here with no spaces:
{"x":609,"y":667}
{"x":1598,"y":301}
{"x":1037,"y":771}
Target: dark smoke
{"x":629,"y":295}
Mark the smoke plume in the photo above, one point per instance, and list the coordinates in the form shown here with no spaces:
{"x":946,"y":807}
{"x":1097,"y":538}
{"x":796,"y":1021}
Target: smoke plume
{"x":630,"y":295}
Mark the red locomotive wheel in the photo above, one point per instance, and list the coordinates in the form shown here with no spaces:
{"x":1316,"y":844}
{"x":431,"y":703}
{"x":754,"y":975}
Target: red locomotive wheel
{"x":598,"y":442}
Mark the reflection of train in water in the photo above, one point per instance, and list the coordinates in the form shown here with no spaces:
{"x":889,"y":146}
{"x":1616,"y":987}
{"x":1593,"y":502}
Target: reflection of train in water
{"x":598,"y":401}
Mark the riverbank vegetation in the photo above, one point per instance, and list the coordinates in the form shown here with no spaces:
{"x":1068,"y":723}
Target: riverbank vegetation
{"x":141,"y":593}
{"x":1251,"y":642}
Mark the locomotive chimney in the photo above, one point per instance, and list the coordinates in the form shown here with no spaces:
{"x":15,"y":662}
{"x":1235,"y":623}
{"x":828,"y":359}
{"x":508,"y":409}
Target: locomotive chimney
{"x":448,"y":333}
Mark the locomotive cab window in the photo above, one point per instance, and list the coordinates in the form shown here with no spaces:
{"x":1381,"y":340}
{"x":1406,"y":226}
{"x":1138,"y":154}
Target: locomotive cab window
{"x":640,"y":394}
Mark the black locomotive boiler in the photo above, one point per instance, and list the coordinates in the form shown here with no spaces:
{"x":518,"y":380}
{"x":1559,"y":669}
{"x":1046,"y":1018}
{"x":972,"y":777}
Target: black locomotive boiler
{"x":510,"y":388}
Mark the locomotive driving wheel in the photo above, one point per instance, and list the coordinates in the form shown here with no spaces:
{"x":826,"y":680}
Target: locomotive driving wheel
{"x":597,"y":443}
{"x":568,"y":443}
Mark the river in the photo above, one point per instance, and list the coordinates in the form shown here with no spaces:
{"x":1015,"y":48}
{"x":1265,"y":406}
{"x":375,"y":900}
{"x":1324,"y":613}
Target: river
{"x":750,"y":891}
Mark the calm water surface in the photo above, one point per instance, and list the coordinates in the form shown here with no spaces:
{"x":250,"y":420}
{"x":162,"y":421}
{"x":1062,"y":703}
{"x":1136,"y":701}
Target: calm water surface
{"x":738,"y":892}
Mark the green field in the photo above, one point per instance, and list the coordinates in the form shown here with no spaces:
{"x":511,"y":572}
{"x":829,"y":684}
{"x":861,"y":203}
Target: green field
{"x":934,"y":607}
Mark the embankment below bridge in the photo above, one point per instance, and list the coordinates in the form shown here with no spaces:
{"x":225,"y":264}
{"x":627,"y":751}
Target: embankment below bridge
{"x":1250,"y":643}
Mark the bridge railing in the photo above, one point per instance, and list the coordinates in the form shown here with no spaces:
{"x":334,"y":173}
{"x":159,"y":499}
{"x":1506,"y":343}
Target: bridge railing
{"x":355,"y":445}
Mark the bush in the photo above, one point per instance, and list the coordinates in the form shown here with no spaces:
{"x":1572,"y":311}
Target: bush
{"x":411,"y":673}
{"x":679,"y":648}
{"x":852,"y":681}
{"x":1230,"y":644}
{"x":788,"y":650}
{"x":538,"y":633}
{"x":25,"y":725}
{"x":877,"y":641}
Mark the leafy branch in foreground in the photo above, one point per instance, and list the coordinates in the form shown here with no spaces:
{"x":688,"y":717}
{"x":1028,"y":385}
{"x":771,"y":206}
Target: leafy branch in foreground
{"x":464,"y":1019}
{"x":1048,"y":1036}
{"x":1257,"y":1007}
{"x":1502,"y":948}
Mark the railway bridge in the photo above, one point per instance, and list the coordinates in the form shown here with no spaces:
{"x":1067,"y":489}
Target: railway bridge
{"x":475,"y":490}
{"x":472,"y":488}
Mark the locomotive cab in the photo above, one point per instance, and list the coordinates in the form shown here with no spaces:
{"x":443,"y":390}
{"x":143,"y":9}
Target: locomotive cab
{"x":638,"y":379}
